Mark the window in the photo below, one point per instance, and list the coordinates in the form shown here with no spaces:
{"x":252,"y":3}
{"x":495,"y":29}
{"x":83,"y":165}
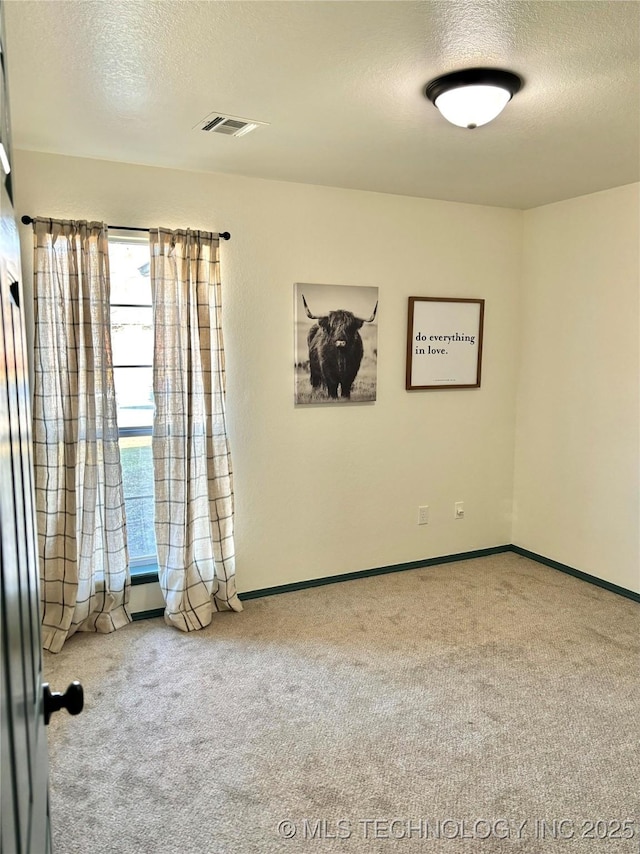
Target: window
{"x":132,"y":343}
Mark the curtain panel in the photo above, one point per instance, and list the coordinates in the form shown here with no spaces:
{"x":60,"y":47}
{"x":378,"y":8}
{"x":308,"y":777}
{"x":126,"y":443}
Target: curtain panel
{"x":192,"y":461}
{"x":84,"y":572}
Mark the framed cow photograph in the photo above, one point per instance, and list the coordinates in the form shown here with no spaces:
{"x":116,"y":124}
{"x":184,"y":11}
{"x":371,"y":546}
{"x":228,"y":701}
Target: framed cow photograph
{"x":336,"y":343}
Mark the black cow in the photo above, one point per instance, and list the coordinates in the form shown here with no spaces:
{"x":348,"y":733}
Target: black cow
{"x":335,"y":350}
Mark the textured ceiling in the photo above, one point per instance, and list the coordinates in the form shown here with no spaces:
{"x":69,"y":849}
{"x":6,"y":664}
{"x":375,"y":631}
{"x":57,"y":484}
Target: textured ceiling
{"x":341,"y":85}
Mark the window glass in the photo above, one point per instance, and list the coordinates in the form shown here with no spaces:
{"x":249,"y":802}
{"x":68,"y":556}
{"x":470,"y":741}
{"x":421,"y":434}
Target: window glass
{"x":132,"y":335}
{"x":129,"y":267}
{"x":137,"y":476}
{"x":132,"y":343}
{"x":134,"y":396}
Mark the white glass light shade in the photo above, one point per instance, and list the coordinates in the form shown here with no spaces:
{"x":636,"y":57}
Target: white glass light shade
{"x":472,"y":106}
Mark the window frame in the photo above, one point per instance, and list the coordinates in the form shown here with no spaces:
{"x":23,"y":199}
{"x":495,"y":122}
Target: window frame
{"x":144,"y":568}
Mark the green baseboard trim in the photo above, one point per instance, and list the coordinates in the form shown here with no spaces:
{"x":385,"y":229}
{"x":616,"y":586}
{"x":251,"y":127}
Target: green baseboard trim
{"x":145,"y":578}
{"x":577,"y":573}
{"x":366,"y":573}
{"x":148,"y":615}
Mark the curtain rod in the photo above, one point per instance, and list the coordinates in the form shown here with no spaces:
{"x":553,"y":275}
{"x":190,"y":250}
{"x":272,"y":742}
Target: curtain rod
{"x":223,"y":235}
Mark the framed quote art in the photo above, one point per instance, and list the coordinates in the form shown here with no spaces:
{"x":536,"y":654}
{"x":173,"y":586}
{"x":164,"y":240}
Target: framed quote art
{"x":444,"y":343}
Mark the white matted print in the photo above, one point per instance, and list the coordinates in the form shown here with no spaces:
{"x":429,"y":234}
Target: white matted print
{"x":336,"y":343}
{"x":444,"y":343}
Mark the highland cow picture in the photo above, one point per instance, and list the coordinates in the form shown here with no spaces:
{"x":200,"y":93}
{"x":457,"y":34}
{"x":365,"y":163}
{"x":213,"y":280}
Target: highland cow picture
{"x":336,"y":343}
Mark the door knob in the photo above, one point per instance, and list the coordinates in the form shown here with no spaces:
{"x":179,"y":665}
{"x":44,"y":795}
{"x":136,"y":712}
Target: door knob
{"x":72,"y":700}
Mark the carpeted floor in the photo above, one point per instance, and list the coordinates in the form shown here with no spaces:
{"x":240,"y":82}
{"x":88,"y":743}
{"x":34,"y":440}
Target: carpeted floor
{"x":491,"y":705}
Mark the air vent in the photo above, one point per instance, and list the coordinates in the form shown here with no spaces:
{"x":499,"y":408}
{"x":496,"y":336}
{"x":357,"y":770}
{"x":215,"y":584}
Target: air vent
{"x":228,"y":125}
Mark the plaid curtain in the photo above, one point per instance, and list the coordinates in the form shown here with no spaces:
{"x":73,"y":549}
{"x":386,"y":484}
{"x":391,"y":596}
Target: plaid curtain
{"x":191,"y":457}
{"x":82,"y":543}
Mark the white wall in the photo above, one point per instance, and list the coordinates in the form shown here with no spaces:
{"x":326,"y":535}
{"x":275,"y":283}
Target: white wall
{"x":577,"y":490}
{"x":328,"y":490}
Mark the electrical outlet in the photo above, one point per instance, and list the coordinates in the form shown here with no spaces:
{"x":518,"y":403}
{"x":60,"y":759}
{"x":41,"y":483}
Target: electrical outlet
{"x":423,"y":515}
{"x":459,"y":509}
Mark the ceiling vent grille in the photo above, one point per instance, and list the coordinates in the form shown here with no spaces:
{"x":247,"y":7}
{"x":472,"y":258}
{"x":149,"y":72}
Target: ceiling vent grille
{"x":228,"y":125}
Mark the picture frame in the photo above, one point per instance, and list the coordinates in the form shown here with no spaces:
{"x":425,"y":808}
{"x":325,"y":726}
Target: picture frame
{"x":444,"y":343}
{"x":335,"y":344}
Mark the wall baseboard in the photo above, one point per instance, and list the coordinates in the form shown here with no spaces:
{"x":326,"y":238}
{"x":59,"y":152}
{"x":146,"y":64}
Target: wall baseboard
{"x":577,"y":573}
{"x":367,"y":573}
{"x":148,"y":615}
{"x":415,"y":564}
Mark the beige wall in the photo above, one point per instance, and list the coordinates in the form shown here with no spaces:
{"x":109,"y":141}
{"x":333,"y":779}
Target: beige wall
{"x":327,"y":490}
{"x":322,"y":491}
{"x":577,"y":491}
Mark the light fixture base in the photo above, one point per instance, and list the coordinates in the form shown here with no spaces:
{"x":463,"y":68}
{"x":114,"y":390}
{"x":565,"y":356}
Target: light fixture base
{"x":474,"y":77}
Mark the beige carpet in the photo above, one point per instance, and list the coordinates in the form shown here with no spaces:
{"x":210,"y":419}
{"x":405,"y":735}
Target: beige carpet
{"x":479,"y":701}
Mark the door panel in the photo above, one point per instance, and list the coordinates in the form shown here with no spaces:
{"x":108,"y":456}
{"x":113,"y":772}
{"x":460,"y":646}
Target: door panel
{"x":24,"y":759}
{"x":24,"y":814}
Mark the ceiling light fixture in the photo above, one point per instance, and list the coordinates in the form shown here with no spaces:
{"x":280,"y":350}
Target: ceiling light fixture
{"x":473,"y":97}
